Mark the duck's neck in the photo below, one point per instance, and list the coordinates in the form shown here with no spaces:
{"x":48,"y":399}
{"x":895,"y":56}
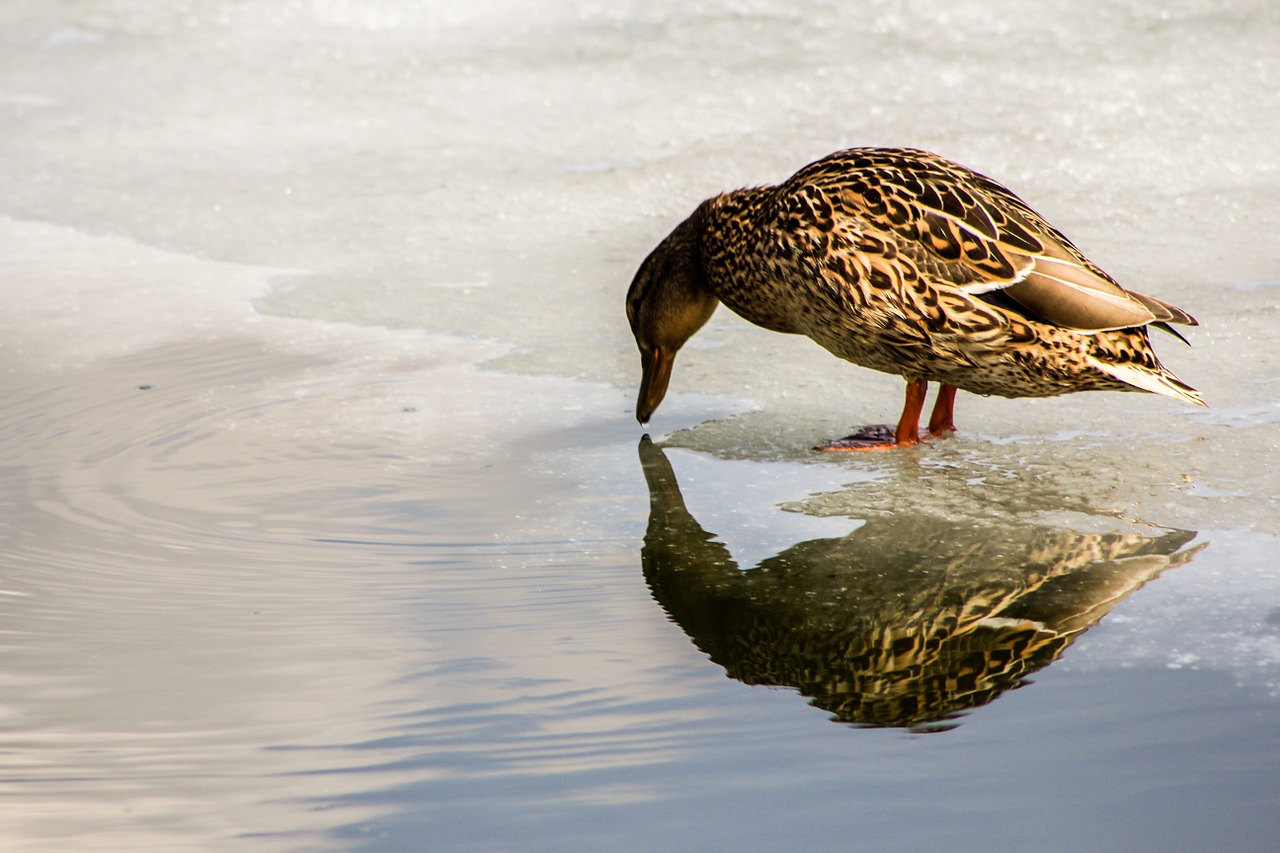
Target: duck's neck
{"x":732,"y":259}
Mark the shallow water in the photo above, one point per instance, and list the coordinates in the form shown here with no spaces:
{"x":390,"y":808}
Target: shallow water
{"x":326,"y":524}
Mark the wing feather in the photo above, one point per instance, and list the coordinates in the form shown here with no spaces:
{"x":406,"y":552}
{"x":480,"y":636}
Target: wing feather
{"x":964,"y":219}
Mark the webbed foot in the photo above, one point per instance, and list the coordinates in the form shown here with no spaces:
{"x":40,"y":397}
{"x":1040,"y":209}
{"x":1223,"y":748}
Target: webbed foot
{"x":874,"y":437}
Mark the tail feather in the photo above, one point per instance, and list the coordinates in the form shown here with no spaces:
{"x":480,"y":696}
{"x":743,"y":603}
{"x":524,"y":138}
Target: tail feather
{"x":1157,"y":381}
{"x":1165,"y":327}
{"x":1164,"y":312}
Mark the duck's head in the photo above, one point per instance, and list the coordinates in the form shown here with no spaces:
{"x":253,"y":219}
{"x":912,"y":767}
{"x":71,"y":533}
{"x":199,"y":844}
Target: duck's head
{"x":668,"y":301}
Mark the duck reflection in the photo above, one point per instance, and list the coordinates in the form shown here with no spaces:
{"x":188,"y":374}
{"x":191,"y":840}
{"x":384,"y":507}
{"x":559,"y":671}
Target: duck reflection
{"x":907,"y":621}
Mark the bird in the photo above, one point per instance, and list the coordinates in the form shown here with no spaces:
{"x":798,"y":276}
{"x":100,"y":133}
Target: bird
{"x":905,"y":262}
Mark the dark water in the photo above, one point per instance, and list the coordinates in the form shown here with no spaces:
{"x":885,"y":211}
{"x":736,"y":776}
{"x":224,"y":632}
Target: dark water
{"x":219,"y":632}
{"x":905,"y":696}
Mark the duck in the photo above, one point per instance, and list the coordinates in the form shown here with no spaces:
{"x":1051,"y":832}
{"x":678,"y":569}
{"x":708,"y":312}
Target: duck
{"x":905,"y":262}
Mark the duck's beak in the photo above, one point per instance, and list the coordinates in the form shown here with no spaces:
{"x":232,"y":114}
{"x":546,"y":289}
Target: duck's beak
{"x":656,"y":363}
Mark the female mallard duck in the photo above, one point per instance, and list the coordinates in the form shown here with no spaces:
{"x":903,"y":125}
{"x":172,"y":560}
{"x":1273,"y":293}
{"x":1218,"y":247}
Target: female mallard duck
{"x":904,"y":262}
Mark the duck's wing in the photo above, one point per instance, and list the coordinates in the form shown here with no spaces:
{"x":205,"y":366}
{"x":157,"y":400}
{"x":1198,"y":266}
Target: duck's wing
{"x":969,"y":233}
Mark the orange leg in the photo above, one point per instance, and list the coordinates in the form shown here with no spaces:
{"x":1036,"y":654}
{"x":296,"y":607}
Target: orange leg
{"x":908,"y":429}
{"x":908,"y":432}
{"x":943,"y":418}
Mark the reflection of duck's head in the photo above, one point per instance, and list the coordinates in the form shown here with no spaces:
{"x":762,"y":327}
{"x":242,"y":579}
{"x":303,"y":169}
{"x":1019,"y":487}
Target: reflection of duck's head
{"x":908,"y":620}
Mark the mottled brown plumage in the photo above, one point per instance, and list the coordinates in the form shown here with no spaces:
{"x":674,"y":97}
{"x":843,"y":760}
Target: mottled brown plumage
{"x":903,"y":262}
{"x":909,"y":620}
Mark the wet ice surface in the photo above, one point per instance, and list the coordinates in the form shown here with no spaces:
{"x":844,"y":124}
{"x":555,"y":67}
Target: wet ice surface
{"x":324,"y":516}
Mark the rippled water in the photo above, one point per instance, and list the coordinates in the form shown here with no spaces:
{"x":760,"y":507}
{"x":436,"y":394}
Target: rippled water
{"x":221,"y":631}
{"x":326,"y":525}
